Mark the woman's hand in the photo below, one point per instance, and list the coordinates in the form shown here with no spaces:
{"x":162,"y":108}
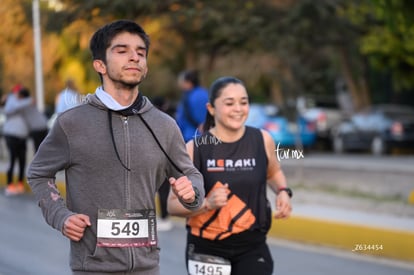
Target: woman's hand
{"x":217,"y":197}
{"x":283,"y":206}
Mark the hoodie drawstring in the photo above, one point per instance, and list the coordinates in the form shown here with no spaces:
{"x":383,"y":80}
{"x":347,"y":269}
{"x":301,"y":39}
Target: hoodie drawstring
{"x":134,"y":111}
{"x":111,"y":130}
{"x":159,"y":144}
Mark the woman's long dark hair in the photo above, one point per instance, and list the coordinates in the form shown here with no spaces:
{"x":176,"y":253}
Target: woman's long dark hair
{"x":214,"y":92}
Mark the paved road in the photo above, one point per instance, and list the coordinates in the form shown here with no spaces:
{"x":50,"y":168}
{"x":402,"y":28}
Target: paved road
{"x":29,"y":246}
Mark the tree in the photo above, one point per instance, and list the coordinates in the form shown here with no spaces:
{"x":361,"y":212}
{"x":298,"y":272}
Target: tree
{"x":17,"y":46}
{"x":317,"y":45}
{"x":280,"y":48}
{"x":195,"y":33}
{"x":388,"y":38}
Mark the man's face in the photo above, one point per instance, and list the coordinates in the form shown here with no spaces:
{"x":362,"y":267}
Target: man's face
{"x":126,"y":61}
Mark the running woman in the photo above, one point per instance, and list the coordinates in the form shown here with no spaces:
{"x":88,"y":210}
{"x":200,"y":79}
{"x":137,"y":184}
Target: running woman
{"x":228,"y":234}
{"x":116,"y":150}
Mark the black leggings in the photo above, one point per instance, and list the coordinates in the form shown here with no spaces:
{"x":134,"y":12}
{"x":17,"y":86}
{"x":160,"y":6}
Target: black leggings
{"x":245,"y":260}
{"x":17,"y":150}
{"x":38,"y":137}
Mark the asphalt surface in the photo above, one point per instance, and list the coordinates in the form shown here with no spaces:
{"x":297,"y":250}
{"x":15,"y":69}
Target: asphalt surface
{"x":29,"y":246}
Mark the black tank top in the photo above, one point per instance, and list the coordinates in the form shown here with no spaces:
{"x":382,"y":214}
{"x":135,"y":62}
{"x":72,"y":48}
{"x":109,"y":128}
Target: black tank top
{"x":243,"y":166}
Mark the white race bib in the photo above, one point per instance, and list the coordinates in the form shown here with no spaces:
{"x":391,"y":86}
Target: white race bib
{"x":126,"y":228}
{"x":201,"y":264}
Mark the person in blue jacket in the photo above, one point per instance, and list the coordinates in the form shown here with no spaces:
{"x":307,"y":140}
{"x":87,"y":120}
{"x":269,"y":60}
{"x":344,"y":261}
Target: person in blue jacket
{"x":192,"y":109}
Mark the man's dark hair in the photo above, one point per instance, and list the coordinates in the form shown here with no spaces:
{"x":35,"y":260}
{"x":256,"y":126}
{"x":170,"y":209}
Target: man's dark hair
{"x":191,"y":76}
{"x":103,"y":37}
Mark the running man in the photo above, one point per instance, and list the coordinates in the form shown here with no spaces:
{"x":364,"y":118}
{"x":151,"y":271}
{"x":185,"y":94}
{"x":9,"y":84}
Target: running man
{"x":116,"y":149}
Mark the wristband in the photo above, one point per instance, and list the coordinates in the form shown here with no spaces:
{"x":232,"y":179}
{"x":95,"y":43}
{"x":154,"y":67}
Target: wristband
{"x":195,"y":204}
{"x":285,"y":189}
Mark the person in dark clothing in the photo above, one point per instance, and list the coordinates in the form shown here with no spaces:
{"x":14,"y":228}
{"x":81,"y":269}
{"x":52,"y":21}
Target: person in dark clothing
{"x":164,"y":223}
{"x":192,"y":108}
{"x":17,"y":151}
{"x":35,"y":120}
{"x":15,"y":131}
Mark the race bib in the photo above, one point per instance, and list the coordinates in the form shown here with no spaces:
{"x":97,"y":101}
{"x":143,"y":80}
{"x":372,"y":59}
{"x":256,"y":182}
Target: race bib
{"x":126,"y":228}
{"x":201,"y":264}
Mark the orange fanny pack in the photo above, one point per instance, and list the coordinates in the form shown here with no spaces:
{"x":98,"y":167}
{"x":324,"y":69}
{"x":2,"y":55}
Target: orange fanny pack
{"x":233,"y":218}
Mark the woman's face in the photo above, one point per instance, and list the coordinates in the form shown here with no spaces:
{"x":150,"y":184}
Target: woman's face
{"x":231,"y":108}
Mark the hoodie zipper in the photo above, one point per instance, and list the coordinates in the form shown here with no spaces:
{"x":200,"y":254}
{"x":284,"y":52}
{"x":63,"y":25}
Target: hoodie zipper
{"x":127,"y":181}
{"x":127,"y":160}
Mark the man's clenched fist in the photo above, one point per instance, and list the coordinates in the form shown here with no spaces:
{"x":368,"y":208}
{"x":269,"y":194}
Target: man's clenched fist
{"x":183,"y":189}
{"x":75,"y":226}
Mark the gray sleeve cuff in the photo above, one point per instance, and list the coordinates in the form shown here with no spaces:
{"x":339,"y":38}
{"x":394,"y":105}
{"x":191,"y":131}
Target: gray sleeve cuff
{"x":196,"y":204}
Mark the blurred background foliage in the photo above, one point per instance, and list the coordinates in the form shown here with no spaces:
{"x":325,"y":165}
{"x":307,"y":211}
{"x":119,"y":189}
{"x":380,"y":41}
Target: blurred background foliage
{"x":280,"y":48}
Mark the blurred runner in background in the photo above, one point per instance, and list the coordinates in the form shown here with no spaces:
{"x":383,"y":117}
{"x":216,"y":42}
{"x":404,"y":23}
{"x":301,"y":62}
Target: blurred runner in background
{"x":35,"y":120}
{"x":16,"y":131}
{"x":191,"y":110}
{"x":67,"y":98}
{"x":163,"y":222}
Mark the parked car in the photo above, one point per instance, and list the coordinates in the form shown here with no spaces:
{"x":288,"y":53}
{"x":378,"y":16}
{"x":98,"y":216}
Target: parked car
{"x":284,"y":133}
{"x":326,"y":114}
{"x":378,"y":129}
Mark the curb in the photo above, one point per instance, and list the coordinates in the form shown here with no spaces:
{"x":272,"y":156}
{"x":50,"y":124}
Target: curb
{"x":388,"y":243}
{"x":352,"y":237}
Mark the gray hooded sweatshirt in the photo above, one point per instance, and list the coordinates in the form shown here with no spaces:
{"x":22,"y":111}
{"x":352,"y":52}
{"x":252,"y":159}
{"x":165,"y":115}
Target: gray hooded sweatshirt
{"x":80,"y":143}
{"x":15,"y":124}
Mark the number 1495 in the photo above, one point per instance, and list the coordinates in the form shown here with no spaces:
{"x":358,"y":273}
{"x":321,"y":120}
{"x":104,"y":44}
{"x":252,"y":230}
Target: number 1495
{"x":199,"y":268}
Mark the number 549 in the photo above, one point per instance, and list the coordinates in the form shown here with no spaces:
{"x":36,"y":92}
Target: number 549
{"x":127,"y":229}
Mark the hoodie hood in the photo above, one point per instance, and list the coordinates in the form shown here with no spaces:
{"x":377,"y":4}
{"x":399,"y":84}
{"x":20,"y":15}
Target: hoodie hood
{"x":93,"y":100}
{"x":109,"y":101}
{"x":140,"y":106}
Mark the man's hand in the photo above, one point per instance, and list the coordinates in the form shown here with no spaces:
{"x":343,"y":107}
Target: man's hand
{"x":75,"y":226}
{"x":283,"y":206}
{"x":218,"y":197}
{"x":183,"y":189}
